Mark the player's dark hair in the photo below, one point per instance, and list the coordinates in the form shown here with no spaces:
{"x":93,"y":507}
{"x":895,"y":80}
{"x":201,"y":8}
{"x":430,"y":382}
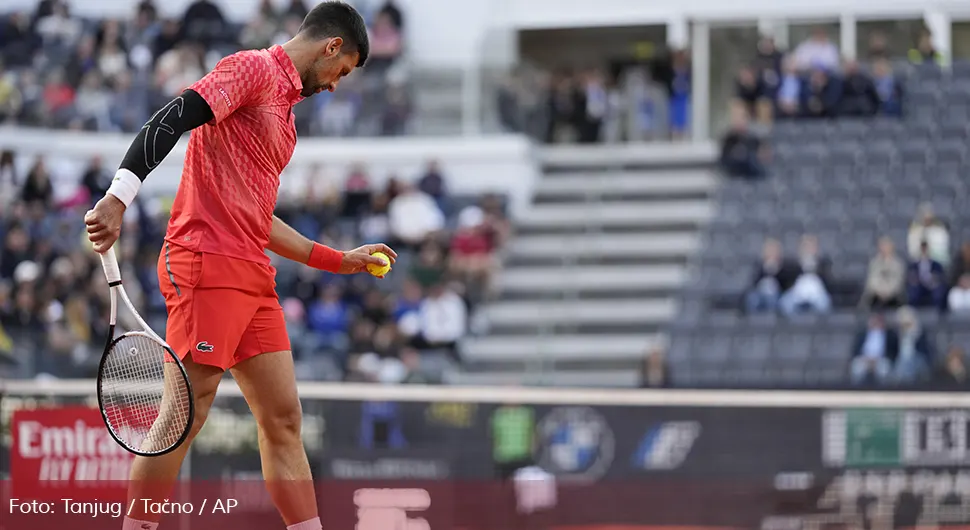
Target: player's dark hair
{"x":337,"y":19}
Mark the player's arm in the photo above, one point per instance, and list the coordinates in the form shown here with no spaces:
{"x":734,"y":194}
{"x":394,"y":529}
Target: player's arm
{"x":285,"y":241}
{"x":237,"y":81}
{"x":156,"y":140}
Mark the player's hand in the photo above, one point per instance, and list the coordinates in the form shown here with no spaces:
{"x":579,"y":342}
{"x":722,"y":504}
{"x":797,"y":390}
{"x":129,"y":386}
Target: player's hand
{"x":357,"y":260}
{"x":103,"y":222}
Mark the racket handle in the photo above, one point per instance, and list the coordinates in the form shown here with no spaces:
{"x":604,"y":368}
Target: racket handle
{"x":110,"y":263}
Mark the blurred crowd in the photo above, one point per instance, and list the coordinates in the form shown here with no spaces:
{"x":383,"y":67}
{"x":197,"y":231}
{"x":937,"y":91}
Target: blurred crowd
{"x":923,"y":279}
{"x":810,"y":82}
{"x":64,"y":71}
{"x":407,"y":327}
{"x":648,"y":101}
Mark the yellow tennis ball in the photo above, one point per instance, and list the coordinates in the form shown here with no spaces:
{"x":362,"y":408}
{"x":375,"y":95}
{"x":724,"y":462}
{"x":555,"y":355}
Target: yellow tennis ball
{"x":377,"y":270}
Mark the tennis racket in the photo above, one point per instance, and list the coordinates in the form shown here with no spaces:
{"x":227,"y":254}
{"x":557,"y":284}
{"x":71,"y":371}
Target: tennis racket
{"x":143,"y":391}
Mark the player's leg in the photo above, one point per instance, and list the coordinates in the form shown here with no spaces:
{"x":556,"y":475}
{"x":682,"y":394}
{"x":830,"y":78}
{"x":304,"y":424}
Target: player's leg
{"x":154,"y":477}
{"x":268,"y":382}
{"x":204,"y":325}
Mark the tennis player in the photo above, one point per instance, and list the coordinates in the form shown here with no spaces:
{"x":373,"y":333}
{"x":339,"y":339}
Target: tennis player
{"x":219,"y":286}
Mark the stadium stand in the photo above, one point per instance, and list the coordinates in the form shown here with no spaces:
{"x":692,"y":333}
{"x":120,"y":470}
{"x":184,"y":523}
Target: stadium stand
{"x":53,"y":295}
{"x":65,"y":71}
{"x":843,"y":184}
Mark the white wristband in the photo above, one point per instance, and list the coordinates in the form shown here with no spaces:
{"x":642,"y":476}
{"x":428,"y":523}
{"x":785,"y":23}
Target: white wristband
{"x":125,"y":186}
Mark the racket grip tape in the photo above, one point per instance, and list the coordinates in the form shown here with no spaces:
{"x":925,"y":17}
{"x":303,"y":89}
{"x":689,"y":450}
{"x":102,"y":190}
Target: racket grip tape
{"x":111,"y":269}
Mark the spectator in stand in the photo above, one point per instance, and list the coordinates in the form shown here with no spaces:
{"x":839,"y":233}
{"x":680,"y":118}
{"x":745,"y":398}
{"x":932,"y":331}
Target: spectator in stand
{"x":112,"y":57}
{"x":566,"y":109}
{"x":818,"y":52}
{"x":750,"y":92}
{"x":17,"y":40}
{"x":204,"y":22}
{"x":178,"y":68}
{"x":925,"y":52}
{"x":411,"y":359}
{"x":386,"y":42}
{"x":874,"y":352}
{"x":92,"y":104}
{"x":810,"y":292}
{"x":886,"y":280}
{"x":140,"y":34}
{"x":83,"y":62}
{"x":680,"y":89}
{"x":375,"y":225}
{"x":260,"y":31}
{"x":929,"y":229}
{"x":362,"y":337}
{"x":498,"y":228}
{"x":168,"y":36}
{"x":128,"y":108}
{"x":915,"y":349}
{"x":958,"y":301}
{"x":471,"y":257}
{"x":11,"y":100}
{"x":414,"y":216}
{"x":773,"y":276}
{"x":443,"y":320}
{"x":6,"y":342}
{"x":393,"y":187}
{"x":655,"y":373}
{"x":329,"y":319}
{"x":358,"y":193}
{"x":952,"y":372}
{"x":58,"y":100}
{"x":790,"y":90}
{"x":433,"y":183}
{"x":9,"y":181}
{"x":768,"y":65}
{"x":38,"y":189}
{"x":15,"y":250}
{"x":888,"y":88}
{"x":742,"y":152}
{"x":878,"y":48}
{"x":409,"y":301}
{"x":859,"y":96}
{"x":376,"y":307}
{"x":24,"y":321}
{"x":393,"y":12}
{"x":59,"y":31}
{"x":430,"y":267}
{"x":297,"y":9}
{"x":95,"y":179}
{"x":820,"y":99}
{"x":926,"y":281}
{"x":596,"y":104}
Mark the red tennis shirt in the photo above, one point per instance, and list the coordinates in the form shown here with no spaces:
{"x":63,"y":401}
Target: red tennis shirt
{"x":230,"y":180}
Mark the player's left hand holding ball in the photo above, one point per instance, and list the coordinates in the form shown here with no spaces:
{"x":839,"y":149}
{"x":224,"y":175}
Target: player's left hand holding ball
{"x":103,"y":222}
{"x":357,"y":260}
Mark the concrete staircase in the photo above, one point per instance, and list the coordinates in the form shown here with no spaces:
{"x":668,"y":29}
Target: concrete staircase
{"x":437,"y":101}
{"x":590,"y":277}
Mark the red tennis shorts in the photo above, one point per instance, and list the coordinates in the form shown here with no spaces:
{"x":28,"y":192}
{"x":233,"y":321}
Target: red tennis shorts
{"x":222,"y":310}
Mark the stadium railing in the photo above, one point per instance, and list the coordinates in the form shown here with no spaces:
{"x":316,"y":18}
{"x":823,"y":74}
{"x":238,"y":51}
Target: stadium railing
{"x":645,"y":458}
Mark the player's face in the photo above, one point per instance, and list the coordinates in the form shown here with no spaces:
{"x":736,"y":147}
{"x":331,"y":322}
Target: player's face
{"x":329,"y":69}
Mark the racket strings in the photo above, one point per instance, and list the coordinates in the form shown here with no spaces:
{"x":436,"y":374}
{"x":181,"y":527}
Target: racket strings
{"x":144,"y":394}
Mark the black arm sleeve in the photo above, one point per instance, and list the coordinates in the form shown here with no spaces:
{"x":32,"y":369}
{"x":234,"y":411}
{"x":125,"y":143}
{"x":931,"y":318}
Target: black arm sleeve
{"x":158,"y":137}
